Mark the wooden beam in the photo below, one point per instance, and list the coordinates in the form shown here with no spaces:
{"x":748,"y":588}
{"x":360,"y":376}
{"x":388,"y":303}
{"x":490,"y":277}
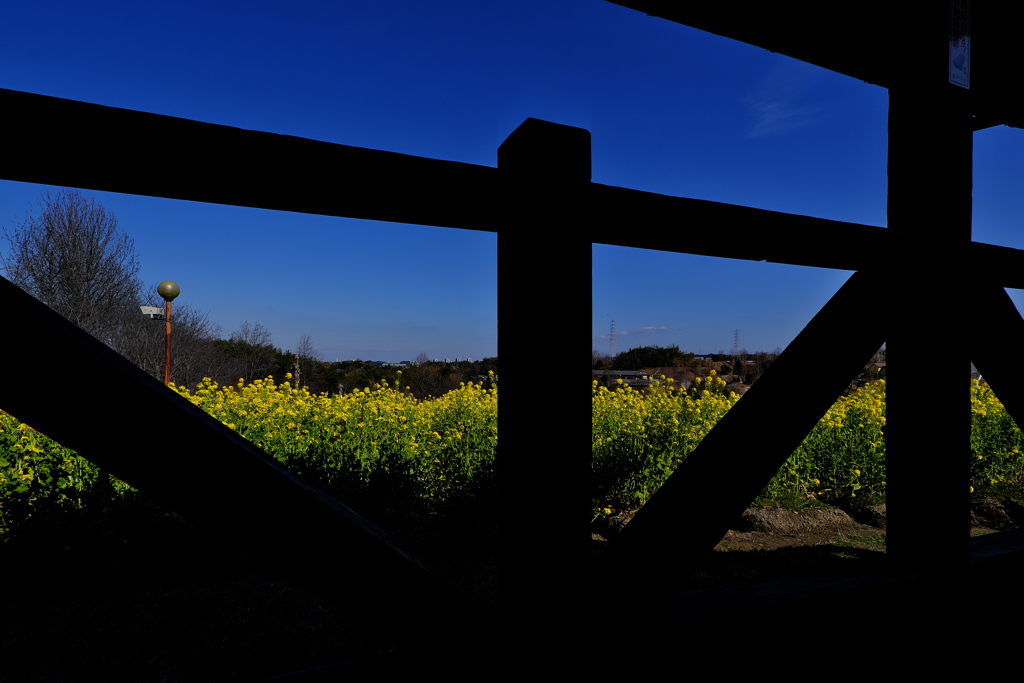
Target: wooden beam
{"x":690,"y":513}
{"x":875,"y":47}
{"x":645,"y":220}
{"x":134,"y":427}
{"x":544,"y":452}
{"x":119,"y":150}
{"x":928,"y":412}
{"x":997,"y":331}
{"x":163,"y":156}
{"x":837,"y":39}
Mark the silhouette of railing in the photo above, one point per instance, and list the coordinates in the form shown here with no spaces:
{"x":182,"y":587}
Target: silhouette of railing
{"x":547,"y":213}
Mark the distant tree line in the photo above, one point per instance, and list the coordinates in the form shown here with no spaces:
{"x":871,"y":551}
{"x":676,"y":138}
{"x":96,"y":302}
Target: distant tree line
{"x":70,"y":254}
{"x":650,"y":357}
{"x":424,"y":379}
{"x":742,"y":366}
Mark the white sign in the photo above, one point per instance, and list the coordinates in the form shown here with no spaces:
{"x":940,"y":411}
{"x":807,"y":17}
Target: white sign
{"x":960,"y":43}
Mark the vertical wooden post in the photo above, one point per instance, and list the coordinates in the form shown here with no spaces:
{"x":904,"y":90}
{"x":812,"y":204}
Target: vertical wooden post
{"x":928,"y":404}
{"x":544,"y":311}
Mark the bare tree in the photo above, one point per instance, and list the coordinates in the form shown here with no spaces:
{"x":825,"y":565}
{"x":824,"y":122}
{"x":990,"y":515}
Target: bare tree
{"x":70,"y":254}
{"x":306,"y":349}
{"x":253,"y":346}
{"x":308,"y":362}
{"x":194,"y":352}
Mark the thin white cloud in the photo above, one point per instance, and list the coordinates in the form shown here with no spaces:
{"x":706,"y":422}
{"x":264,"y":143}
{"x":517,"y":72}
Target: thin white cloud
{"x":650,"y":329}
{"x":782,"y":101}
{"x":645,"y":330}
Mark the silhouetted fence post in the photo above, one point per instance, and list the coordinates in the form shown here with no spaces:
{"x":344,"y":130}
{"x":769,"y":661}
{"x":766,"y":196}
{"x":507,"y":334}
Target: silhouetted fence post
{"x":928,"y":423}
{"x":544,"y":293}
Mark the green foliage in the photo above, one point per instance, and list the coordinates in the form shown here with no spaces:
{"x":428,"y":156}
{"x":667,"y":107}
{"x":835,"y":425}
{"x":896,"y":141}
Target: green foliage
{"x":843,"y":457}
{"x":39,"y":478}
{"x":423,"y":380}
{"x":379,"y":449}
{"x":997,"y":445}
{"x":387,"y":452}
{"x":639,"y":439}
{"x":652,"y":357}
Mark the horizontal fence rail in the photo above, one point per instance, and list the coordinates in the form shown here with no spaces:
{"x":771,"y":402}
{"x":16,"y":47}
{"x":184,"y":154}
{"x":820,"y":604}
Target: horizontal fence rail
{"x":163,"y":156}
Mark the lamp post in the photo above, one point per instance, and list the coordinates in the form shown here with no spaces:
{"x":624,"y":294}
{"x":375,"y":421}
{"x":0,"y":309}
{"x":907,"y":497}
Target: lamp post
{"x":168,"y":290}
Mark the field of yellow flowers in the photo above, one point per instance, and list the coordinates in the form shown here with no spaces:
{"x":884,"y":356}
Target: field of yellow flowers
{"x":639,"y":440}
{"x":381,"y":449}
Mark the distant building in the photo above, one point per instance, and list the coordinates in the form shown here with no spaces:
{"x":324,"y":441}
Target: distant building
{"x":879,"y":370}
{"x":633,"y":378}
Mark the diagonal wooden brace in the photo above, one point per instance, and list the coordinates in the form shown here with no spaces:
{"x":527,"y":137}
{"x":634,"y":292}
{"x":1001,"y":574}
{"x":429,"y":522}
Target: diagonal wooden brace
{"x":691,"y":512}
{"x":134,"y":427}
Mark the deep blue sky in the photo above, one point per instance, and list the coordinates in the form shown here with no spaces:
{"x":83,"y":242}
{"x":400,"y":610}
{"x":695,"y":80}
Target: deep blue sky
{"x":671,"y":110}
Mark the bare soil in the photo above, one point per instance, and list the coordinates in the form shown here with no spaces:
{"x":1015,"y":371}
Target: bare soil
{"x":773,"y":542}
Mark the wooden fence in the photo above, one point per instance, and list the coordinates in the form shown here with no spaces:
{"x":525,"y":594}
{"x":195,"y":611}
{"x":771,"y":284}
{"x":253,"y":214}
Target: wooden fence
{"x":547,"y":213}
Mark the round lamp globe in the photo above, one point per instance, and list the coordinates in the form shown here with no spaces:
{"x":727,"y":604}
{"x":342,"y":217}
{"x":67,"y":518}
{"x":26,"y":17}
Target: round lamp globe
{"x":168,"y":290}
